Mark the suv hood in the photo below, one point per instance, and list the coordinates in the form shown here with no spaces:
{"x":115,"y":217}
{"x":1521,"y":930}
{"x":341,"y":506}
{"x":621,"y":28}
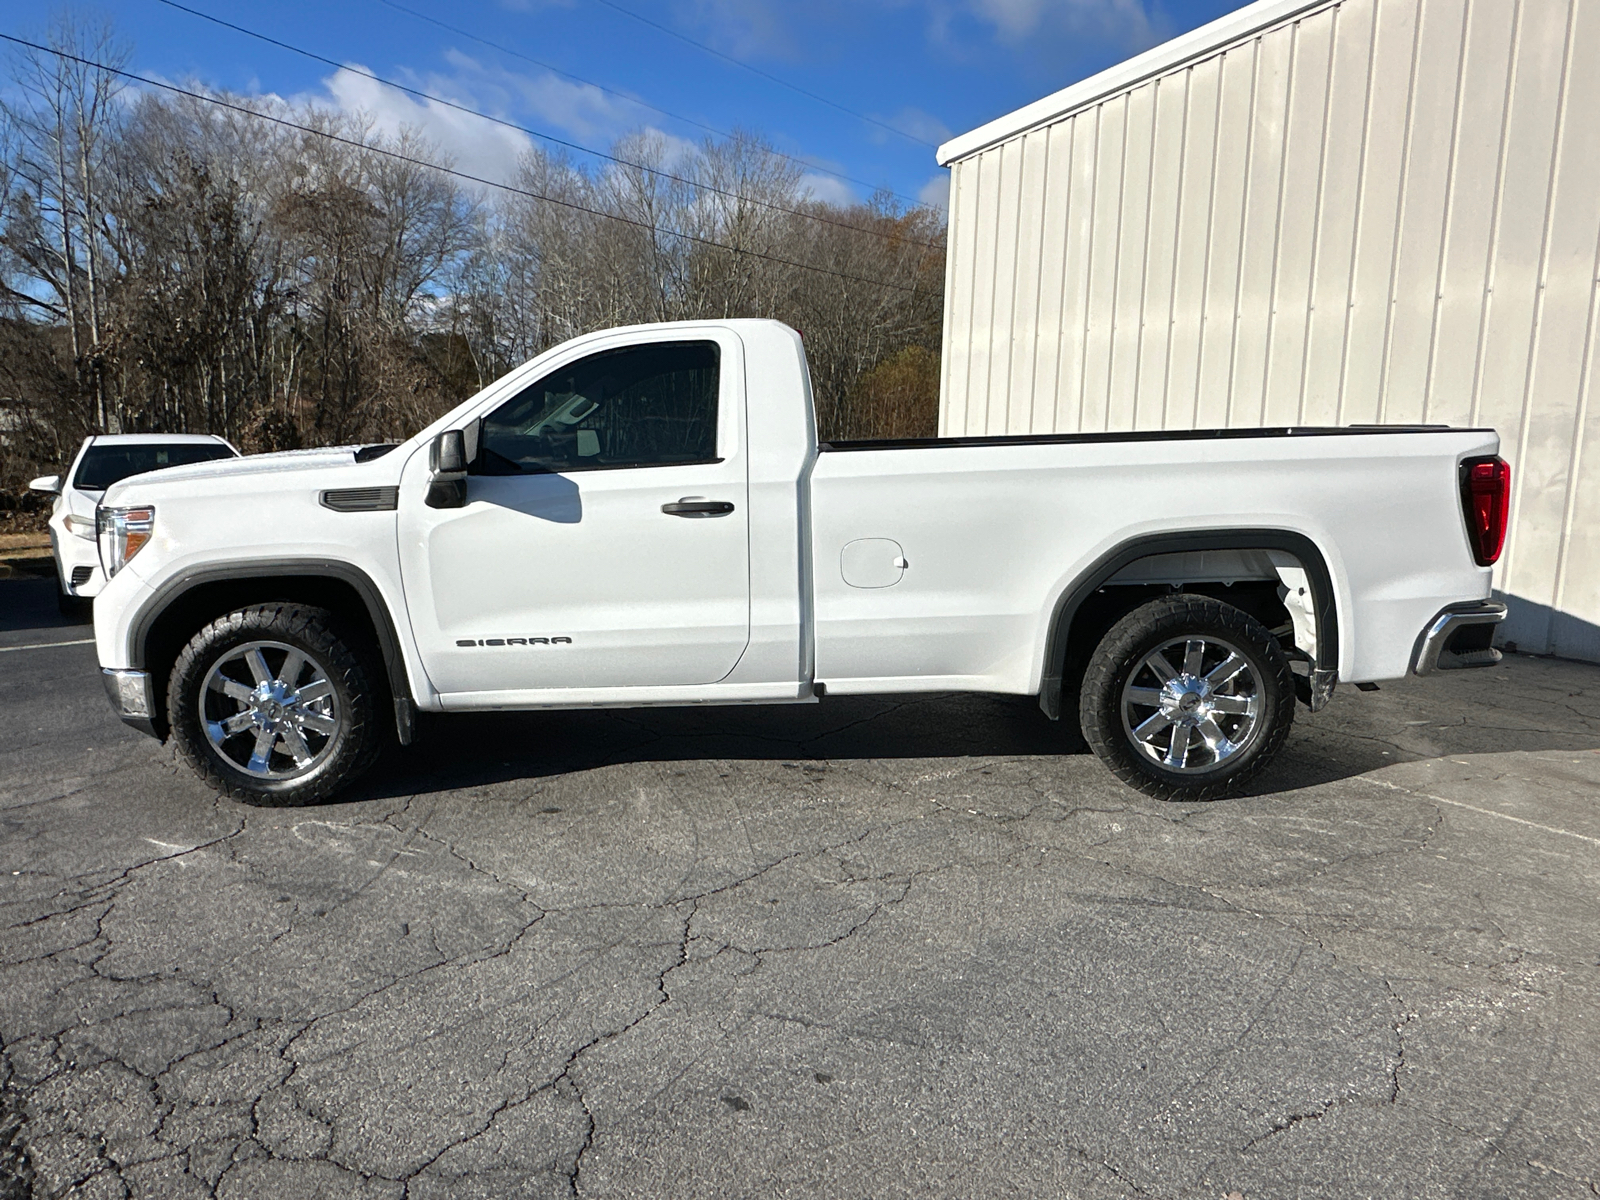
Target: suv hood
{"x":223,"y":469}
{"x":81,"y":501}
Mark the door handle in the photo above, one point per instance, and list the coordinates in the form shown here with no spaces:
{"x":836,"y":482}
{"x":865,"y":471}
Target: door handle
{"x":694,"y":506}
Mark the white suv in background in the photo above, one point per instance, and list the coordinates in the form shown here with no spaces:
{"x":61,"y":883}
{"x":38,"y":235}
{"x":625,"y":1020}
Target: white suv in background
{"x":105,"y":459}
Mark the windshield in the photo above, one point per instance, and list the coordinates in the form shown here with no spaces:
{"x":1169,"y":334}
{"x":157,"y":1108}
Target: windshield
{"x":101,"y":466}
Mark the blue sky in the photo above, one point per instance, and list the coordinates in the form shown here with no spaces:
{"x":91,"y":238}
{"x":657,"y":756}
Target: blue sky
{"x":926,"y":68}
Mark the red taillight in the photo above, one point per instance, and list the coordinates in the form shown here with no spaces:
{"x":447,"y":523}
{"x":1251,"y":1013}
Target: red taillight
{"x":1486,"y":499}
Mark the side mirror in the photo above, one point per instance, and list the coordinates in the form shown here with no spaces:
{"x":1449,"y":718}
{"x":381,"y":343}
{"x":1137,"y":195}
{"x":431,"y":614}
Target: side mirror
{"x":449,"y":452}
{"x":447,"y":460}
{"x":50,"y":485}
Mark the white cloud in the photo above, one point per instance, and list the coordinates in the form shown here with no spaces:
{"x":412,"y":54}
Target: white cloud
{"x":936,"y":192}
{"x":829,"y":190}
{"x":914,"y":122}
{"x":1013,"y":18}
{"x":543,"y":99}
{"x":479,"y":147}
{"x":744,"y":28}
{"x":650,"y":147}
{"x":574,"y":112}
{"x":679,"y":151}
{"x":1128,"y":24}
{"x":578,"y":113}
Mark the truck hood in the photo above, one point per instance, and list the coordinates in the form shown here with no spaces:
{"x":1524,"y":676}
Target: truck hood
{"x":223,"y":470}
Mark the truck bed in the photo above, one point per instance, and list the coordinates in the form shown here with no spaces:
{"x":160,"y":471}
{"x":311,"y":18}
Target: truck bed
{"x":996,"y":531}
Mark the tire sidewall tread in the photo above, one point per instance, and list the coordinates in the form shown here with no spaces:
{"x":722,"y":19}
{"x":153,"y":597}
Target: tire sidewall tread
{"x":319,"y":633}
{"x":1123,"y":647}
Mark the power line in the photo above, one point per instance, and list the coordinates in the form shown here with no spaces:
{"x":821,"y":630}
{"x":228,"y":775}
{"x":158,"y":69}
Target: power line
{"x":793,"y":87}
{"x":429,"y":96}
{"x":418,"y":162}
{"x":798,"y":160}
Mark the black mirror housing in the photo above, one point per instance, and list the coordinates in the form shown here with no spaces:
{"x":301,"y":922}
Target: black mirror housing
{"x":449,"y":453}
{"x":447,"y":458}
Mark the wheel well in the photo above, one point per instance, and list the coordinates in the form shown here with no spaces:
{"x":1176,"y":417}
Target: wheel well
{"x":1109,"y":604}
{"x":1245,"y":568}
{"x":188,"y":612}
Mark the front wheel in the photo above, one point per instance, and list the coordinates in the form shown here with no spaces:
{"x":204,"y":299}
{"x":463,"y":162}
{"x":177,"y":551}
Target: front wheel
{"x":270,"y":705}
{"x":1187,"y":698}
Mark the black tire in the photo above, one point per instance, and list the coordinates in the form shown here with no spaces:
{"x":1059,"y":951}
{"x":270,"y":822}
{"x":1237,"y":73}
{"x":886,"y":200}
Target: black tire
{"x":1124,"y":667}
{"x":350,"y":704}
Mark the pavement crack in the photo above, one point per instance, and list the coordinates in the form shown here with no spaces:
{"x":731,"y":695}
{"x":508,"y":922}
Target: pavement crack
{"x":573,"y":1172}
{"x":419,"y":828}
{"x":1399,"y":1065}
{"x":1289,"y":1122}
{"x":17,"y":1176}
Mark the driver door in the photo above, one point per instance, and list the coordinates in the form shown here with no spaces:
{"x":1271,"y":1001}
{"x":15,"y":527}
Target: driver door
{"x":604,"y":541}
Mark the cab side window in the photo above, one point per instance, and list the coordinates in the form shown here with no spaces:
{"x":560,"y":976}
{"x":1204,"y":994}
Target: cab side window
{"x":640,"y":406}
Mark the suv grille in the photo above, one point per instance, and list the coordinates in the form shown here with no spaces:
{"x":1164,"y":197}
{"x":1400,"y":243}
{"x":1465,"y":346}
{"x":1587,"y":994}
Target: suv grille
{"x":80,"y":575}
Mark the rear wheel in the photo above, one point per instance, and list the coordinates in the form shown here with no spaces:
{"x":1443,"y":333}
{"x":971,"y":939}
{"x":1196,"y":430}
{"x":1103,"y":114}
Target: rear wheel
{"x":1187,"y":698}
{"x":272,"y":706}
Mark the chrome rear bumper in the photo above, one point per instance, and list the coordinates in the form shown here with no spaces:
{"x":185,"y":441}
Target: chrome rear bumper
{"x":1459,"y":637}
{"x":132,"y":696}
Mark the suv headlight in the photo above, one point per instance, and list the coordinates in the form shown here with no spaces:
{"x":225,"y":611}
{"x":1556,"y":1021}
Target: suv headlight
{"x":123,"y":533}
{"x":84,"y":527}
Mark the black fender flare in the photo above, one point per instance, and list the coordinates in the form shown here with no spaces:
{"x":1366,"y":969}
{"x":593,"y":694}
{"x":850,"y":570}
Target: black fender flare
{"x":181,"y":584}
{"x":1297,"y":544}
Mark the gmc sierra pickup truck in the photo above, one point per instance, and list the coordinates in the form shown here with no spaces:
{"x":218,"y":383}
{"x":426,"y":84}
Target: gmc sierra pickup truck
{"x":644,"y":516}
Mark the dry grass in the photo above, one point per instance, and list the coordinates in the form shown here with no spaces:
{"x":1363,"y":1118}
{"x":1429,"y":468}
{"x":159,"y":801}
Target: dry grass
{"x":24,"y":545}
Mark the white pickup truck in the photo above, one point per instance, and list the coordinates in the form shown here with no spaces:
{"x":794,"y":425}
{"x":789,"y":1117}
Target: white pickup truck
{"x":644,"y":516}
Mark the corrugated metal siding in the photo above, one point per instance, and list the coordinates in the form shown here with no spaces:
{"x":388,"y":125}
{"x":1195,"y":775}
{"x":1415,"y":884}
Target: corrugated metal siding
{"x":1381,"y":210}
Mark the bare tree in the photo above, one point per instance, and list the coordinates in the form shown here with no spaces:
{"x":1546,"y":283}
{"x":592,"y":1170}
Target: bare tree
{"x":169,"y":264}
{"x":64,"y":122}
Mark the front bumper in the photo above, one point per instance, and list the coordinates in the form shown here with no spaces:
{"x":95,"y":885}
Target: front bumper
{"x":1459,"y":637}
{"x":86,"y":581}
{"x":133,"y":698}
{"x":77,"y":564}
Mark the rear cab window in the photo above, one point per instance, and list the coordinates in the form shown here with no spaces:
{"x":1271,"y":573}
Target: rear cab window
{"x":102,"y":466}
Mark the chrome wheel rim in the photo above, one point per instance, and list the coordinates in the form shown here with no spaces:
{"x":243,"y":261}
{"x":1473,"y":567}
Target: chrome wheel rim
{"x":270,"y":710}
{"x":1192,"y":705}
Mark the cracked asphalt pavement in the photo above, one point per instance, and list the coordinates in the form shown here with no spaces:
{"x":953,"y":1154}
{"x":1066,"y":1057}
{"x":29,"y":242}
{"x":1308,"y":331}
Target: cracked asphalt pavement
{"x":901,"y":948}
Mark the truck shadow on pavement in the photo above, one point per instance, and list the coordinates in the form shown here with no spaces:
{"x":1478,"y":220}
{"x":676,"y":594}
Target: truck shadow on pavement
{"x":471,"y":750}
{"x":29,"y":605}
{"x":1525,"y":704}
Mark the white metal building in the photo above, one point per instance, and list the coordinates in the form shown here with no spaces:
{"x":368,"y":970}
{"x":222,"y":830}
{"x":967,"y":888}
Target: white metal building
{"x":1334,"y":212}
